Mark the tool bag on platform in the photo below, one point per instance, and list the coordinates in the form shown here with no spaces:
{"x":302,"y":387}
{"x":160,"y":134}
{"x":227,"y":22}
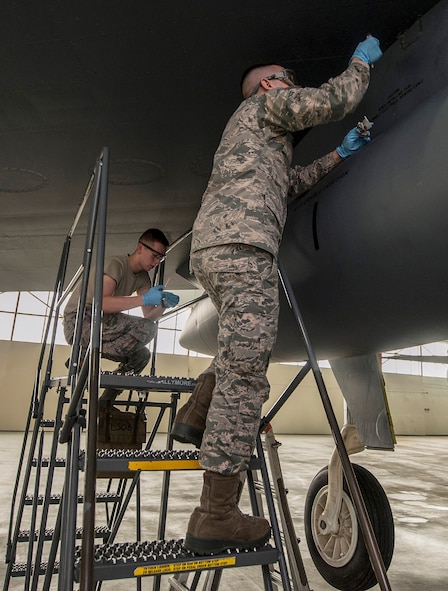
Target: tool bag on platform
{"x":119,"y":429}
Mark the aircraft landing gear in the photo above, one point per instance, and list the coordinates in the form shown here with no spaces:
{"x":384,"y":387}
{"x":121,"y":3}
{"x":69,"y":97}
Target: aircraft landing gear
{"x":338,"y":551}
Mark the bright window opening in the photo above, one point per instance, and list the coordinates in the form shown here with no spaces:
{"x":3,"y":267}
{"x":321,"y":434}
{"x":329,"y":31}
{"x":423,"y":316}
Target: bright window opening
{"x":23,"y":317}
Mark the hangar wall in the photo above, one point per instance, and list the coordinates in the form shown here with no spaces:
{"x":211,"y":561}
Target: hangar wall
{"x":419,"y":405}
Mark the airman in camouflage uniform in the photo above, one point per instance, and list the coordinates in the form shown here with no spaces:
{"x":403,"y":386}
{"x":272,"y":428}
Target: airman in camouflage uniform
{"x":124,"y":337}
{"x":235,"y":244}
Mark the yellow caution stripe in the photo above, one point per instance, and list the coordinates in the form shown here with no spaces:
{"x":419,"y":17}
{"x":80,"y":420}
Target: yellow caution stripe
{"x":164,"y":465}
{"x":175,"y":567}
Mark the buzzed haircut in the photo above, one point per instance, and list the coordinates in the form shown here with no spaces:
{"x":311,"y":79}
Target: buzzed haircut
{"x":249,"y":70}
{"x":155,"y":235}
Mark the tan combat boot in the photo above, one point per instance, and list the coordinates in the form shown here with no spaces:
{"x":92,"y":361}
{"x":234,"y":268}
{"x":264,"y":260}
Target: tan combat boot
{"x":218,"y":524}
{"x":108,"y":396}
{"x":189,"y":423}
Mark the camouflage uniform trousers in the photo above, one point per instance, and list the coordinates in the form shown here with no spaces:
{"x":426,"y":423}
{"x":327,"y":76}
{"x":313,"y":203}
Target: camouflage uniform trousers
{"x":242,"y":283}
{"x":124,"y":338}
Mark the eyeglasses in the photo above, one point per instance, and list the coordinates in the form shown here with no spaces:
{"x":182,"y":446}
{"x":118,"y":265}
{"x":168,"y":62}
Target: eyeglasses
{"x":289,"y":77}
{"x":157,"y":255}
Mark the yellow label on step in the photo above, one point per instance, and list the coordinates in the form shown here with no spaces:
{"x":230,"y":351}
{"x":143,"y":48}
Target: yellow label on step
{"x":175,"y":567}
{"x":164,"y":465}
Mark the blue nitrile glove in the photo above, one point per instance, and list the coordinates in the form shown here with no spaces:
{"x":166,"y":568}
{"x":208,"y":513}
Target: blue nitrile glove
{"x":352,"y":142}
{"x":154,"y":296}
{"x":368,"y":50}
{"x":169,"y":300}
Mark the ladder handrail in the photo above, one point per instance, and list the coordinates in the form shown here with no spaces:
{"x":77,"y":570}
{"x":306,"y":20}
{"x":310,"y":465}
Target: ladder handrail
{"x":40,"y":388}
{"x":369,"y":536}
{"x":91,"y":366}
{"x":87,"y":546}
{"x":86,"y":265}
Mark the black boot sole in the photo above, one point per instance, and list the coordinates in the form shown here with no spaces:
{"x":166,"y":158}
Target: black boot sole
{"x":186,"y":434}
{"x":203,"y":547}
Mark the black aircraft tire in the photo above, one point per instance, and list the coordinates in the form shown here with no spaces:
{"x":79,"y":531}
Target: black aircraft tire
{"x":342,"y":559}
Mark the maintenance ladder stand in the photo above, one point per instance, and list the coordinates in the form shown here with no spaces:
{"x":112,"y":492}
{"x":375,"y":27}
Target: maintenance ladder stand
{"x":90,"y":564}
{"x":280,"y":561}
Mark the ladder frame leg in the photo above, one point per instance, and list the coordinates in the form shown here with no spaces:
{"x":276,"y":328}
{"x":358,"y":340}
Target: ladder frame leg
{"x":276,"y":534}
{"x":48,"y":487}
{"x":296,"y":566}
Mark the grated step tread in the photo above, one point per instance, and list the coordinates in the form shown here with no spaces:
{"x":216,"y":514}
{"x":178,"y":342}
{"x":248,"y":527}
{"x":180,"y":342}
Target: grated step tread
{"x":47,"y":423}
{"x":21,"y":569}
{"x":136,"y":559}
{"x":55,"y":498}
{"x":45,"y":462}
{"x":24,"y":534}
{"x":146,"y":383}
{"x":149,"y":454}
{"x":130,"y":461}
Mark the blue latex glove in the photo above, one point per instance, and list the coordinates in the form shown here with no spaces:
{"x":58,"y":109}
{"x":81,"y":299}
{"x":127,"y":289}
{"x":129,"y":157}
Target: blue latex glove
{"x":352,"y":142}
{"x":154,"y":296}
{"x":169,"y":300}
{"x":368,"y":50}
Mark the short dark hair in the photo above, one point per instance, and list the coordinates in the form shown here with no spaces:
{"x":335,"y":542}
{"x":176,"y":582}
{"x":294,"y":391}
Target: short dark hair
{"x":248,"y":70}
{"x":155,"y":235}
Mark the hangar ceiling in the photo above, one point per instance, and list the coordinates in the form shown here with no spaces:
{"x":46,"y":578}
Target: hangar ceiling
{"x":155,"y":83}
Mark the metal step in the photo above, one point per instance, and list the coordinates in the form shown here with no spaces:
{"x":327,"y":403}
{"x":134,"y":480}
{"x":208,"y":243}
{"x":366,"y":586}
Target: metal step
{"x":130,"y":460}
{"x":146,"y":383}
{"x":55,"y":499}
{"x":45,"y":462}
{"x":21,"y":569}
{"x":141,"y":559}
{"x":136,"y":382}
{"x":24,"y":534}
{"x":47,"y":423}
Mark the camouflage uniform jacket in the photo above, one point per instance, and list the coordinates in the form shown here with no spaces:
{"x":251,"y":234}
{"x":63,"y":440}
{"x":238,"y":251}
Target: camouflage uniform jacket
{"x":302,"y":178}
{"x":245,"y":200}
